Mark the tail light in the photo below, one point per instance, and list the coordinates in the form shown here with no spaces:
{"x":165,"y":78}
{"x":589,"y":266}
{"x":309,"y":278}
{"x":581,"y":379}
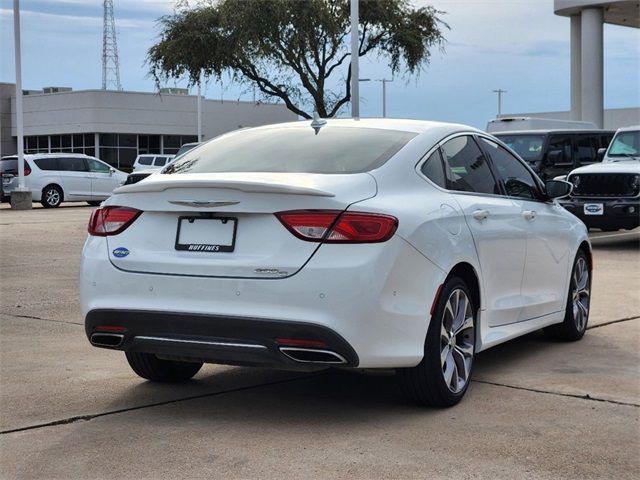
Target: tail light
{"x":106,"y":221}
{"x":334,"y":226}
{"x":27,"y":169}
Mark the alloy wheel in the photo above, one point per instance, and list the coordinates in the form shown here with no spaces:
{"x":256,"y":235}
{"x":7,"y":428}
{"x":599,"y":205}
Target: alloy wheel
{"x":52,"y":197}
{"x":580,"y":292}
{"x":457,"y":340}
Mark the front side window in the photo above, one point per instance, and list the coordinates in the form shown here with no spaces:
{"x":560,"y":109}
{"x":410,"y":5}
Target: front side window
{"x":96,"y":166}
{"x":516,"y":179}
{"x":586,"y":149}
{"x":466,"y":167}
{"x":332,"y":150}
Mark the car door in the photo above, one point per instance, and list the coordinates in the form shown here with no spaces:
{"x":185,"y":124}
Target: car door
{"x":103,"y":182}
{"x":74,"y":178}
{"x":546,"y":267}
{"x":493,"y":220}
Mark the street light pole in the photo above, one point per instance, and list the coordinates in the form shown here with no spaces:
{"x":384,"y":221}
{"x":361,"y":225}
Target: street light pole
{"x":499,"y":92}
{"x":199,"y":107}
{"x":20,"y":197}
{"x":355,"y":87}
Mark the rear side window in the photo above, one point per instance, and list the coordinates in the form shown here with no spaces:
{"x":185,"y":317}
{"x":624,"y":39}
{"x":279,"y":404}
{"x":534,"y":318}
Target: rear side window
{"x":516,"y":179}
{"x":145,"y":160}
{"x":47,"y":163}
{"x":72,"y":164}
{"x":433,"y":169}
{"x":300,"y":149}
{"x":586,"y":149}
{"x":561,"y":145}
{"x":466,"y":167}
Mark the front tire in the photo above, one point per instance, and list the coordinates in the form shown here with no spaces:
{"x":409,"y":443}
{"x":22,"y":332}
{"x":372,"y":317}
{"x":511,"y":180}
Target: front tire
{"x":51,"y":196}
{"x":576,"y":315}
{"x":442,"y":377}
{"x":148,"y":366}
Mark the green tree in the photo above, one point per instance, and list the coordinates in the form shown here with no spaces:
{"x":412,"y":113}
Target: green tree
{"x":293,"y":50}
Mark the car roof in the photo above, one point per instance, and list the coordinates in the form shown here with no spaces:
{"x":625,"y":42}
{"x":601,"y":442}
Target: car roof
{"x":31,"y":156}
{"x":407,"y":125}
{"x":544,"y":131}
{"x":631,"y":128}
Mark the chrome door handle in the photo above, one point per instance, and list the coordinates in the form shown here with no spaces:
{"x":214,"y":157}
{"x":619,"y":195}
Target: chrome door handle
{"x":480,"y":214}
{"x":529,"y":214}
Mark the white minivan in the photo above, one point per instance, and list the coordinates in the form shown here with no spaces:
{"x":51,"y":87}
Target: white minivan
{"x":151,"y":162}
{"x":57,"y":177}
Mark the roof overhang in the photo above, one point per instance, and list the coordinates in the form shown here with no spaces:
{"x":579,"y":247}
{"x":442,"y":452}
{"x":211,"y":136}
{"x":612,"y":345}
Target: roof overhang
{"x":622,"y":12}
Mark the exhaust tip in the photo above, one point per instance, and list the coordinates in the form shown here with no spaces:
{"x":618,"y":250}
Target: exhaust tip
{"x":107,"y":340}
{"x":309,"y":355}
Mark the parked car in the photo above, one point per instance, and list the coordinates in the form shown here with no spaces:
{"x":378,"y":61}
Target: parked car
{"x":151,"y":162}
{"x":369,"y":244}
{"x":507,"y":124}
{"x":141,"y":174}
{"x":553,"y":153}
{"x":607,"y":195}
{"x":57,"y":177}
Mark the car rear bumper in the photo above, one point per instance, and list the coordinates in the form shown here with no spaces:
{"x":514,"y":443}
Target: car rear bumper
{"x":220,"y":339}
{"x":369,"y":303}
{"x":619,"y":213}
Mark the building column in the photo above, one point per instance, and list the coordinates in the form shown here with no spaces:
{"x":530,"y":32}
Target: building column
{"x":576,"y":69}
{"x":592,"y":66}
{"x":96,"y":144}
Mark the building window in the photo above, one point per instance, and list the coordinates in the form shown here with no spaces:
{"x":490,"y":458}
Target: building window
{"x":77,"y":143}
{"x":119,"y":149}
{"x":172,"y":143}
{"x":148,"y":144}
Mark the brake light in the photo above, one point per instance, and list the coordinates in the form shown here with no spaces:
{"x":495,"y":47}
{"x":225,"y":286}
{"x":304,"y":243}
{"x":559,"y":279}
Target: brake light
{"x":106,"y":221}
{"x":27,"y":169}
{"x":334,"y":226}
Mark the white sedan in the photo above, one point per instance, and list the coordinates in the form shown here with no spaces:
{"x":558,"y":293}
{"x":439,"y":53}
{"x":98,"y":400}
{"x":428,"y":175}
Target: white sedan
{"x":365,"y":244}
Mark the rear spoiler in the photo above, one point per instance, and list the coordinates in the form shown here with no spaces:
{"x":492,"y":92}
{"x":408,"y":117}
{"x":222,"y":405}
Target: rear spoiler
{"x":288,"y":184}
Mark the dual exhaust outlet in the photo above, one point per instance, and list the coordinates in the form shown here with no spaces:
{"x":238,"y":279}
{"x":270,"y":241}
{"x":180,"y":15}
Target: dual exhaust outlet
{"x":297,"y":354}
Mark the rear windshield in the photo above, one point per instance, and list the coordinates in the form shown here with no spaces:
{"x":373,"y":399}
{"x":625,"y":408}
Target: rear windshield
{"x":294,"y":150}
{"x":529,"y":147}
{"x":10,"y":165}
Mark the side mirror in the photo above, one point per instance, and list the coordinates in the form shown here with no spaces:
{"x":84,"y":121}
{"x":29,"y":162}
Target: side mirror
{"x":112,"y":171}
{"x":600,"y":154}
{"x":558,"y":188}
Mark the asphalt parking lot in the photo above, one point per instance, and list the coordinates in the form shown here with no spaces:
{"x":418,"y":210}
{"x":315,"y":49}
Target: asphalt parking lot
{"x":536,"y":408}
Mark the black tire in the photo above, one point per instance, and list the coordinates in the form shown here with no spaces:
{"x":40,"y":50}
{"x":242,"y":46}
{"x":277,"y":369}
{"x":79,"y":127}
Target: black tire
{"x":94,"y":203}
{"x":578,"y":303}
{"x":51,"y":196}
{"x":148,"y":366}
{"x":425,"y":383}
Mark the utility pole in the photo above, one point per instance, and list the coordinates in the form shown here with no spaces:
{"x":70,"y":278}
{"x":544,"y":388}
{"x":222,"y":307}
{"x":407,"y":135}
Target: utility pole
{"x":355,"y":40}
{"x":199,"y":108}
{"x":21,"y":196}
{"x":499,"y":92}
{"x":110,"y":61}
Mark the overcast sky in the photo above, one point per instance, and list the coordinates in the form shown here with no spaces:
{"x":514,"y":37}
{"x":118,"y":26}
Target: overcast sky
{"x":516,"y":45}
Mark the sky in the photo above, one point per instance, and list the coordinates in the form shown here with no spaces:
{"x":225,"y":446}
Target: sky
{"x":516,"y":45}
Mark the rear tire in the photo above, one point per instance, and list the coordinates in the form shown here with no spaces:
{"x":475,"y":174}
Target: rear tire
{"x":148,"y":366}
{"x":442,"y":377}
{"x":51,"y":196}
{"x":576,"y":314}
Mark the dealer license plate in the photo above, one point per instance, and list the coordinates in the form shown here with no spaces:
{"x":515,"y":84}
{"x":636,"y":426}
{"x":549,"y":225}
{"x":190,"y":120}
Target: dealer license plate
{"x":593,"y":209}
{"x":197,"y":234}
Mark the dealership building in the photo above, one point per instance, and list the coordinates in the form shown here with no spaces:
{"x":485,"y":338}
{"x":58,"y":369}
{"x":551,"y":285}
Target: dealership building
{"x":116,"y":126}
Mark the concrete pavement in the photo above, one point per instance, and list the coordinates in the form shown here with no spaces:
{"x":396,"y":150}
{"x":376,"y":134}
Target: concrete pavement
{"x":536,"y":408}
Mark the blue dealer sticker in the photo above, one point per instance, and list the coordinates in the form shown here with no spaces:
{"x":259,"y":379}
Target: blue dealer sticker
{"x":121,"y":252}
